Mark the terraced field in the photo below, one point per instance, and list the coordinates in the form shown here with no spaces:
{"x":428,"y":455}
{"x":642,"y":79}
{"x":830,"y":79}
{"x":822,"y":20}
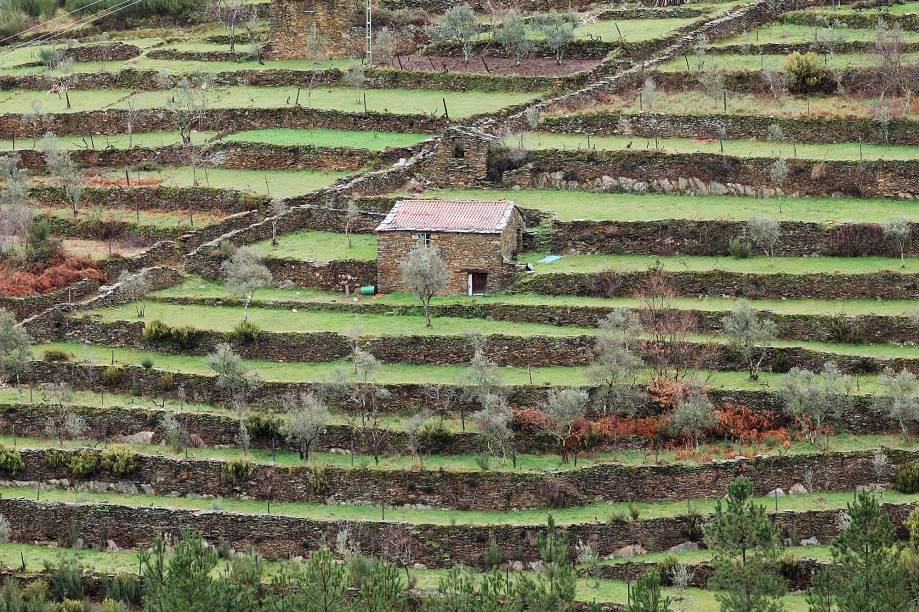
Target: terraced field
{"x":683,"y":369}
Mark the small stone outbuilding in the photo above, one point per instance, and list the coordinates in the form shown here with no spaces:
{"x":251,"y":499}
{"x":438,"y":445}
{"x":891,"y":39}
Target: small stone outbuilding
{"x":478,"y":240}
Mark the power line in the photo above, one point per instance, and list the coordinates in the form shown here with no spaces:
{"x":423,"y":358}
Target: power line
{"x":52,"y":20}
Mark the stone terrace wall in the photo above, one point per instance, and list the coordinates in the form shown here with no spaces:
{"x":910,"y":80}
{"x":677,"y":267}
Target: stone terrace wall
{"x":278,"y":537}
{"x":488,"y":490}
{"x":335,"y":20}
{"x":711,"y":174}
{"x":819,"y":328}
{"x":23,"y":307}
{"x":880,"y":285}
{"x":505,"y":350}
{"x":200,"y":199}
{"x":662,"y":125}
{"x":224,"y":120}
{"x":710,"y":237}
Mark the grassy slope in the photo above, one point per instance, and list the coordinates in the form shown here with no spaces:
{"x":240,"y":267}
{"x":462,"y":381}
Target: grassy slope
{"x":373,"y":141}
{"x":792,"y":33}
{"x":339,"y":371}
{"x":850,"y":151}
{"x":319,"y":247}
{"x":574,"y":205}
{"x":422,"y":101}
{"x":751,"y":265}
{"x":195,"y":287}
{"x":117,"y":141}
{"x":772,"y":62}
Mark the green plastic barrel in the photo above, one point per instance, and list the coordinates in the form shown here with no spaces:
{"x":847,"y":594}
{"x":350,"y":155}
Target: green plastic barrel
{"x":368,"y":290}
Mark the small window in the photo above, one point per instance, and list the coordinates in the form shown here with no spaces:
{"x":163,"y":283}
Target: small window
{"x":459,"y":151}
{"x":424,"y":238}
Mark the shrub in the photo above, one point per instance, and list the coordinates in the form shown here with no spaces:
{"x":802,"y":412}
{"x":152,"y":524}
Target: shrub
{"x":666,"y":567}
{"x":113,"y":605}
{"x":156,"y":332}
{"x":146,"y":363}
{"x":54,"y":459}
{"x":123,"y":588}
{"x":112,"y":376}
{"x":907,"y":479}
{"x":71,"y":605}
{"x":56,"y":356}
{"x":246,"y":332}
{"x":183,"y":337}
{"x":803,"y":71}
{"x":264,"y":426}
{"x":846,"y":330}
{"x":12,"y":23}
{"x":857,"y":240}
{"x":167,"y":381}
{"x":11,"y":461}
{"x":83,"y":464}
{"x":235,"y":472}
{"x":433,"y":435}
{"x":119,"y":460}
{"x":739,"y":248}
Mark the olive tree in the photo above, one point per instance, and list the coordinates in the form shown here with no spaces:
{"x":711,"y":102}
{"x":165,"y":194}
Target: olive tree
{"x":900,"y":398}
{"x":245,"y":274}
{"x":15,"y":348}
{"x":458,"y":25}
{"x":564,"y":408}
{"x":692,"y":416}
{"x":425,"y":274}
{"x":749,"y":335}
{"x":236,"y":379}
{"x":513,"y":36}
{"x":764,"y":233}
{"x":558,"y":31}
{"x":812,"y":398}
{"x":494,"y":424}
{"x":308,"y":418}
{"x":15,"y":213}
{"x":616,"y":364}
{"x":898,"y":232}
{"x":62,"y":168}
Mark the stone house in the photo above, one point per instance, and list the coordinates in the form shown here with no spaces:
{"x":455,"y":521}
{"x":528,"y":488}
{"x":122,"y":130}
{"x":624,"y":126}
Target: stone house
{"x":478,"y":240}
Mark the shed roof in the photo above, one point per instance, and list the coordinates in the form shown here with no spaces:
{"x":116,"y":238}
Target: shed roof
{"x":469,"y":216}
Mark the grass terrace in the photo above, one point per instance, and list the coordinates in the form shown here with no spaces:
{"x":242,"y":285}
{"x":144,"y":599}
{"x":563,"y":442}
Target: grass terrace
{"x":903,"y":8}
{"x":695,"y":102}
{"x":115,"y":141}
{"x":788,"y":33}
{"x":319,"y":247}
{"x":732,"y":62}
{"x":847,"y":151}
{"x":199,"y":288}
{"x":594,"y":513}
{"x":278,"y":183}
{"x":390,"y":373}
{"x":143,"y":218}
{"x":580,"y":205}
{"x":372,"y":141}
{"x":461,"y":104}
{"x":225,"y":319}
{"x":752,"y":265}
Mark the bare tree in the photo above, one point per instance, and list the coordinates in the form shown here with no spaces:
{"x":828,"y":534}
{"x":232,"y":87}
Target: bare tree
{"x":352,"y":214}
{"x":278,"y":209}
{"x":61,"y":167}
{"x":230,"y":14}
{"x":425,"y":273}
{"x":15,"y":213}
{"x":308,"y":418}
{"x":245,"y":274}
{"x":564,"y":407}
{"x":188,"y":104}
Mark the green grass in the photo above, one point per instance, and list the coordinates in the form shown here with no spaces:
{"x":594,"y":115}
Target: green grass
{"x":142,"y":218}
{"x":751,"y":265}
{"x":461,"y":104}
{"x":116,"y":141}
{"x":594,"y":513}
{"x":580,"y":205}
{"x":389,"y":373}
{"x":792,"y":33}
{"x":224,"y":319}
{"x":697,"y":102}
{"x":732,"y":62}
{"x":319,"y":247}
{"x":277,"y":183}
{"x":848,"y":151}
{"x":199,"y":288}
{"x":372,"y":141}
{"x":893,"y":9}
{"x":632,"y":30}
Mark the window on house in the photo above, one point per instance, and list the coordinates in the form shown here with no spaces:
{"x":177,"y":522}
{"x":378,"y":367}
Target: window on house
{"x":459,"y":151}
{"x":424,"y":238}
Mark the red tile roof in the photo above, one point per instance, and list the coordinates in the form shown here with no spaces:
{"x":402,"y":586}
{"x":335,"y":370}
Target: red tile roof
{"x":470,"y":216}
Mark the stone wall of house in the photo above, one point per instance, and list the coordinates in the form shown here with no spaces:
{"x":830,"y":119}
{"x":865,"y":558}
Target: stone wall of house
{"x":339,"y":23}
{"x":462,"y":252}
